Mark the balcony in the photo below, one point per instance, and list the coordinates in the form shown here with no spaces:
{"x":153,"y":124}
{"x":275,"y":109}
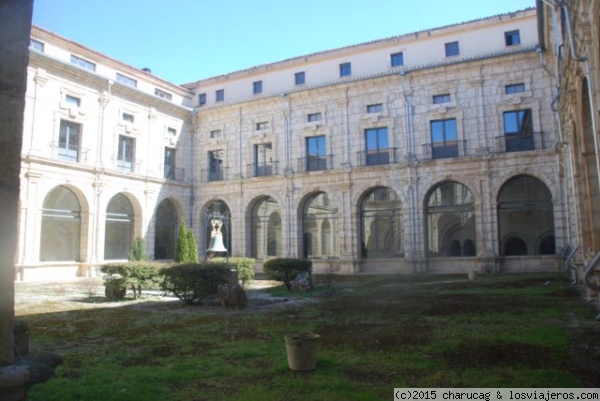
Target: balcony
{"x":520,"y":142}
{"x":174,"y":173}
{"x":375,"y":157}
{"x":262,"y":169}
{"x":315,"y":163}
{"x":68,"y":153}
{"x":127,"y":164}
{"x":214,"y":175}
{"x":444,"y":150}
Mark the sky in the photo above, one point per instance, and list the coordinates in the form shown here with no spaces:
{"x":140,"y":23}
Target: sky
{"x":184,"y":41}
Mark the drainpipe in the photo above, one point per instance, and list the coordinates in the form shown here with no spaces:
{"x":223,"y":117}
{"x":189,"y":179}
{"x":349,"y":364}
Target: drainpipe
{"x":287,"y":171}
{"x":192,"y":164}
{"x":99,"y":185}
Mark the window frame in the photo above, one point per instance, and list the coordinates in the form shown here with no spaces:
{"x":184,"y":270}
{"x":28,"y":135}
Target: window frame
{"x":452,"y":49}
{"x":220,"y":95}
{"x":300,"y":78}
{"x":510,"y":36}
{"x":512,"y":89}
{"x":378,"y":136}
{"x":36,"y":45}
{"x":257,"y":87}
{"x":441,"y":98}
{"x":314,"y":117}
{"x":83,"y":63}
{"x":374,"y":108}
{"x":201,"y":99}
{"x":397,"y":59}
{"x":125,"y":80}
{"x":345,"y":69}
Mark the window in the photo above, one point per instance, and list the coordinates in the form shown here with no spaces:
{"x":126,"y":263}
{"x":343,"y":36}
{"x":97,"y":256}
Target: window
{"x":128,"y":117}
{"x":257,"y":87}
{"x":202,"y":99}
{"x":381,"y":228}
{"x":61,"y":226}
{"x":377,"y":146}
{"x":125,"y":154}
{"x":397,"y":59}
{"x":166,"y":228}
{"x":512,"y":38}
{"x":345,"y":69}
{"x":438,"y":99}
{"x":68,"y":141}
{"x":119,"y":228}
{"x":313,"y":117}
{"x":514,"y":88}
{"x":263,"y":159}
{"x":162,"y":94}
{"x":126,"y":80}
{"x":169,"y":164}
{"x":316,"y":153}
{"x":300,"y":78}
{"x":444,"y":139}
{"x":215,"y":165}
{"x":215,"y":133}
{"x":375,"y":108}
{"x":450,"y":221}
{"x":220,"y":95}
{"x":72,"y":100}
{"x":262,"y":125}
{"x":518,"y":130}
{"x":171,"y":131}
{"x":36,"y":45}
{"x":83,"y":63}
{"x":452,"y":49}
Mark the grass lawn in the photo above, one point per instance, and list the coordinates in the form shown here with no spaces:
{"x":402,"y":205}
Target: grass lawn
{"x":377,"y":333}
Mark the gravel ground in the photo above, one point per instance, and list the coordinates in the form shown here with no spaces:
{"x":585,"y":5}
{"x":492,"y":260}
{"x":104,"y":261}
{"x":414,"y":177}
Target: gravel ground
{"x":88,"y":293}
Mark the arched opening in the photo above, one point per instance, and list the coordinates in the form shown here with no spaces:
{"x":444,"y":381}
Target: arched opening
{"x":319,"y":224}
{"x":61,"y":226}
{"x":525,"y":212}
{"x":381,"y":224}
{"x":165,"y":231}
{"x":450,"y":219}
{"x":514,"y":246}
{"x":119,"y":228}
{"x":265,"y":235}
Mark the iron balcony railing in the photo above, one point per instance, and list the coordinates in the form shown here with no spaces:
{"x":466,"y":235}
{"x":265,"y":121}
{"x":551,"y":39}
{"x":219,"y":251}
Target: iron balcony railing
{"x":262,"y":169}
{"x":315,"y":163}
{"x":127,"y":164}
{"x":68,"y":153}
{"x":376,"y":157}
{"x":520,"y":142}
{"x":444,"y":150}
{"x":209,"y":175}
{"x":174,"y":173}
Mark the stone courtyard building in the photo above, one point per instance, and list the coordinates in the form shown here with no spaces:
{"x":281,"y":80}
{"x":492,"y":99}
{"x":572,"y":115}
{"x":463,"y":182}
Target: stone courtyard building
{"x":434,"y":151}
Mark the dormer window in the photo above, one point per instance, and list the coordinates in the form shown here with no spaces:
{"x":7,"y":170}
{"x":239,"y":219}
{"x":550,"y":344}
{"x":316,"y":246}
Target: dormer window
{"x":128,"y":118}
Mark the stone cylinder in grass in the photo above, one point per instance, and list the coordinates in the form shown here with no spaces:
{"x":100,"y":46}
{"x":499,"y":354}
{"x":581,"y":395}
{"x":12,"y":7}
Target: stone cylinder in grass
{"x":301,"y":351}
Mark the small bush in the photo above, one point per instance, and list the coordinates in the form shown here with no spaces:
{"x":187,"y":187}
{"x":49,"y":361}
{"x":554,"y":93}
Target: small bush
{"x":193,"y":282}
{"x":286,"y":269}
{"x":244,"y":267}
{"x":138,"y":251}
{"x":135,"y":274}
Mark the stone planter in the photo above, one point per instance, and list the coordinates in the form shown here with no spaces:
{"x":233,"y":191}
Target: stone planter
{"x":301,"y":351}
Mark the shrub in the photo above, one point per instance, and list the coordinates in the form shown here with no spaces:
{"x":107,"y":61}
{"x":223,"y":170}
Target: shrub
{"x":192,"y":282}
{"x":286,"y":269}
{"x":135,"y":274}
{"x":181,"y":251}
{"x":244,"y":267}
{"x":138,"y":251}
{"x":192,"y":248}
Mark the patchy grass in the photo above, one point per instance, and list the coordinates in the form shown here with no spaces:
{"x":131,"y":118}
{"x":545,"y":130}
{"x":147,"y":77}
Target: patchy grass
{"x":377,"y":333}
